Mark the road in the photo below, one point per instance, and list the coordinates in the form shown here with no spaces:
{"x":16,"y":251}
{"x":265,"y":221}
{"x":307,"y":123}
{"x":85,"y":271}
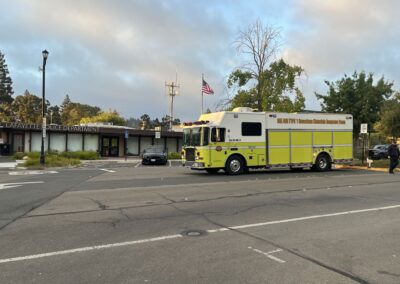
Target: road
{"x":127,"y":224}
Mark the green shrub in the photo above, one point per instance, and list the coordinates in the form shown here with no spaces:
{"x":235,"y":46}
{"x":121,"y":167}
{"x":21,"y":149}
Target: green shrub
{"x":56,"y":159}
{"x":174,"y":156}
{"x":33,"y":155}
{"x":52,"y":160}
{"x":82,"y":155}
{"x":19,"y":155}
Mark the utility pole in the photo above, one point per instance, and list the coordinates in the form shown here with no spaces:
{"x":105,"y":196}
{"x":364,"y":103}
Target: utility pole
{"x":172,"y":91}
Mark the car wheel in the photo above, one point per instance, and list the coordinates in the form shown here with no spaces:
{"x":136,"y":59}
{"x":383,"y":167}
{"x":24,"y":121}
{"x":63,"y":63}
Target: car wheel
{"x":381,"y":156}
{"x":234,"y":165}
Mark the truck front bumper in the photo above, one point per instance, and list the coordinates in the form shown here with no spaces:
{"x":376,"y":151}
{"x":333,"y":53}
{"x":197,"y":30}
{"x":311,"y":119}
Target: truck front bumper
{"x":194,"y":165}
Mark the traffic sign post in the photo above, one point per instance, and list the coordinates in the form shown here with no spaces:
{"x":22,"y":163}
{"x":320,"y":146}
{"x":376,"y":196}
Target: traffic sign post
{"x":363,"y":132}
{"x":364,"y":128}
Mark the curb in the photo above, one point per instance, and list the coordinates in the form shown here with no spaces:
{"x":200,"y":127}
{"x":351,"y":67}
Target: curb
{"x":363,"y":168}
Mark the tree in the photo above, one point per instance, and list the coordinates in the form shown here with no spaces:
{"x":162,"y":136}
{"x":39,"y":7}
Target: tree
{"x":6,"y":112}
{"x":156,"y":122}
{"x":54,"y":115}
{"x":27,"y":108}
{"x":357,"y":95}
{"x":165,"y":120}
{"x":145,"y":124}
{"x":279,"y":91}
{"x":66,"y":102}
{"x":72,"y":112}
{"x":133,"y":122}
{"x":389,"y":123}
{"x":260,"y":43}
{"x":6,"y":91}
{"x":111,"y":116}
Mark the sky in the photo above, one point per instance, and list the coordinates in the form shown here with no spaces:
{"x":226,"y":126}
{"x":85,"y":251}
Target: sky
{"x":120,"y":54}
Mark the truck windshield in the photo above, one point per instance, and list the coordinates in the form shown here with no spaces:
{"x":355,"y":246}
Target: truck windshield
{"x":197,"y":136}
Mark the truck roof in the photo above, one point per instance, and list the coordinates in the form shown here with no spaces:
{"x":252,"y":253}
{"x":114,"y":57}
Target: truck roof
{"x":281,"y":120}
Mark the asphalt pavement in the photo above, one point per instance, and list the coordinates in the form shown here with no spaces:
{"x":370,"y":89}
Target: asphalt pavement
{"x":168,"y":224}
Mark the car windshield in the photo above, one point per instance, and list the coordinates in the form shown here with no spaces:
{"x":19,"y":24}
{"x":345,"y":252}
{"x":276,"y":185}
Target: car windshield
{"x":154,"y":150}
{"x":192,"y":136}
{"x":377,"y":147}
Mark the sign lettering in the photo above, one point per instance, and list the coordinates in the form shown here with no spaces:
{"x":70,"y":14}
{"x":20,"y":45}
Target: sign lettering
{"x":32,"y":126}
{"x":309,"y":121}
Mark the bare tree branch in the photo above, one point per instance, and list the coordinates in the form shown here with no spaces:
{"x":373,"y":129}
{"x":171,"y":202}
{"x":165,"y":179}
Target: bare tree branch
{"x":261,"y":45}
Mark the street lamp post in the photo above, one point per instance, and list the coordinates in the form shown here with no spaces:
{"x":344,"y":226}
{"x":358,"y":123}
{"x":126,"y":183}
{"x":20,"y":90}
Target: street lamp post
{"x":42,"y":156}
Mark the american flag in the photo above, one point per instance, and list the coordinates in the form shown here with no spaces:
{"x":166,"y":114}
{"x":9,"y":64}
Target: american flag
{"x":206,"y":88}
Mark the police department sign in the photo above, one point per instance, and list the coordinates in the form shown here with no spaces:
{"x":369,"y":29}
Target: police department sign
{"x":32,"y":126}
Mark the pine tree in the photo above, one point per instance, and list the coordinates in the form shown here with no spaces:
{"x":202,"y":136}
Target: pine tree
{"x":5,"y":82}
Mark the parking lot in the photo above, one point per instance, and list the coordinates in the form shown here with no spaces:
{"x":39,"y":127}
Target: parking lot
{"x":118,"y":222}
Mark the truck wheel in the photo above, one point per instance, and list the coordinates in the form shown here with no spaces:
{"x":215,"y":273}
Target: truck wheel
{"x":322,"y":163}
{"x":234,"y":165}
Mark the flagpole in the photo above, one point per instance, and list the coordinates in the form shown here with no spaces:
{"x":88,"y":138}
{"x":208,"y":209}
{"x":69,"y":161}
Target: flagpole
{"x":202,"y":80}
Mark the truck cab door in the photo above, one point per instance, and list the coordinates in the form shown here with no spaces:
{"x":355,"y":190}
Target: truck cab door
{"x":218,"y":147}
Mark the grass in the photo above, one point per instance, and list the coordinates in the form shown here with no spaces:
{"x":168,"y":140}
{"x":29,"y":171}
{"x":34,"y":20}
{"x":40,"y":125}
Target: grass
{"x":375,"y":164}
{"x":81,"y":155}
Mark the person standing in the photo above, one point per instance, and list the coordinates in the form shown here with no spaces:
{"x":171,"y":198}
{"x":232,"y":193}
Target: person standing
{"x":394,"y":153}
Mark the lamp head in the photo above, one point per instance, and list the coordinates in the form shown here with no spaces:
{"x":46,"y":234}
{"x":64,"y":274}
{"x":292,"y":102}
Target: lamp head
{"x":45,"y":54}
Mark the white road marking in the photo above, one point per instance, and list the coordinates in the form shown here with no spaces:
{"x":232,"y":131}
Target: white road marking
{"x":23,"y":173}
{"x":69,"y":251}
{"x":138,"y":164}
{"x":106,"y":170}
{"x":268,"y":254}
{"x":303,"y":218}
{"x":16,"y":184}
{"x":161,"y":238}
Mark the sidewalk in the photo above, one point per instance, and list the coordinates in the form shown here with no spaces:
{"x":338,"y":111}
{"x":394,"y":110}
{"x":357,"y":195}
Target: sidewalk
{"x":7,"y":162}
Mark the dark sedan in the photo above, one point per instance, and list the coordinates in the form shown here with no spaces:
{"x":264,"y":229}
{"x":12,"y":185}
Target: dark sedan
{"x":155,"y":156}
{"x":378,"y":152}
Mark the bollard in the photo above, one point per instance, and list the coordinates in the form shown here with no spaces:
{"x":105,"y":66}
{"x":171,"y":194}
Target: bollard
{"x":369,"y":161}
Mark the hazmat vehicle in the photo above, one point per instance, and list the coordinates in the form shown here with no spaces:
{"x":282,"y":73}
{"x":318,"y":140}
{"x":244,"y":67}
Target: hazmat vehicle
{"x":239,"y":140}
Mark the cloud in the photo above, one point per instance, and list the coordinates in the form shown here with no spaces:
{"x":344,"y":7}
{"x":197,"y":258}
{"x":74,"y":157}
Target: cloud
{"x":333,"y":38}
{"x":118,"y":55}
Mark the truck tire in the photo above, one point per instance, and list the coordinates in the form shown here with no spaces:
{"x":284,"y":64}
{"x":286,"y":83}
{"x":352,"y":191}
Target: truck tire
{"x":322,"y":163}
{"x":234,"y":165}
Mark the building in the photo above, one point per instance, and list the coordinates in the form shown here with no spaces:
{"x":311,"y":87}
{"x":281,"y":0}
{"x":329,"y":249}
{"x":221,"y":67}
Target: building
{"x":108,"y":140}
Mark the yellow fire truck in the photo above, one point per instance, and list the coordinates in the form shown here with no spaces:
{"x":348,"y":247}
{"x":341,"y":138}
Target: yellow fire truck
{"x":238,"y":140}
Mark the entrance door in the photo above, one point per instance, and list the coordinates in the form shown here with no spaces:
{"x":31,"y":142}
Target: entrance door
{"x":18,"y":142}
{"x":110,"y":146}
